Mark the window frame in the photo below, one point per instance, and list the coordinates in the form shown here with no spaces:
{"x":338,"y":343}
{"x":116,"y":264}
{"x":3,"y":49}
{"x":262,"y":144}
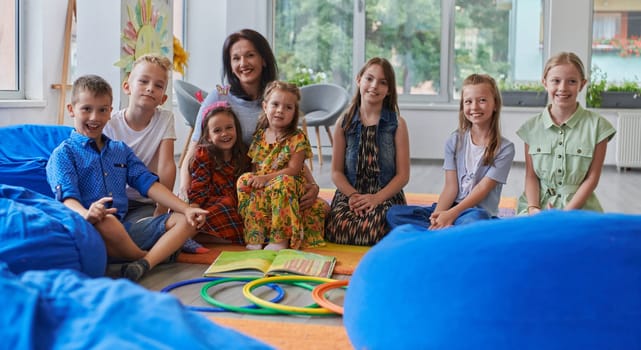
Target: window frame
{"x":18,"y":94}
{"x":445,"y":95}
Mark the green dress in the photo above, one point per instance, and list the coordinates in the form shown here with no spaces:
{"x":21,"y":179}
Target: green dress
{"x":562,"y":155}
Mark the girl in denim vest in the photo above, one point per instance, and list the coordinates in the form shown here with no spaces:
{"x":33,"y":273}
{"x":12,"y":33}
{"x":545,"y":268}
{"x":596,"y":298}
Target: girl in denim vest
{"x":370,"y":162}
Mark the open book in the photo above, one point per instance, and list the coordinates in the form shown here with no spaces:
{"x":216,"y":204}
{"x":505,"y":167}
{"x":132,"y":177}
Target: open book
{"x":252,"y":263}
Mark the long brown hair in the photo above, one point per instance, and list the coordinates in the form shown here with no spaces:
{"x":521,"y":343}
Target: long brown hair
{"x":263,"y":122}
{"x":391,"y":100}
{"x":239,"y":159}
{"x":495,"y":123}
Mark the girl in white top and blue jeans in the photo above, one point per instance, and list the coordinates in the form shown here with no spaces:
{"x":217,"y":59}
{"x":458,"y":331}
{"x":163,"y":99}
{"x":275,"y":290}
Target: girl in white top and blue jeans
{"x":477,"y":163}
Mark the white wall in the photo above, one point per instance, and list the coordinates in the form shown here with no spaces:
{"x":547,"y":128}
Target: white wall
{"x":208,"y":25}
{"x":45,"y":23}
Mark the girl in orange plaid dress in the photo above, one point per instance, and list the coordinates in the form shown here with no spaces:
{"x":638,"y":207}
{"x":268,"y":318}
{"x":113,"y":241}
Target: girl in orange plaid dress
{"x":269,"y":196}
{"x":219,"y":159}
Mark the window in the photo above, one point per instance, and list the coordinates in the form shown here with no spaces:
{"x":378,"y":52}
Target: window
{"x":313,"y":41}
{"x":502,"y":38}
{"x":10,"y":64}
{"x":616,"y":40}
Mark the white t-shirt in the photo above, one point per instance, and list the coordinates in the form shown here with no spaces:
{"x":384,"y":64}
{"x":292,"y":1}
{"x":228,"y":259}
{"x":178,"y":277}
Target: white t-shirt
{"x":145,"y":143}
{"x":473,"y":155}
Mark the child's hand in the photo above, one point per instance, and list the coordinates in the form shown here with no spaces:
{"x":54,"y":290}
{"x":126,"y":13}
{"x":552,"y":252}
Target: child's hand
{"x":99,"y":209}
{"x":362,"y":204}
{"x":442,"y":219}
{"x":258,"y":181}
{"x":196,"y":216}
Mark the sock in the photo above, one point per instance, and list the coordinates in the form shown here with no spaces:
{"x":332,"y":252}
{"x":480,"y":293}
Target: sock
{"x":191,"y":246}
{"x":135,"y":270}
{"x":277,"y":246}
{"x":254,"y":246}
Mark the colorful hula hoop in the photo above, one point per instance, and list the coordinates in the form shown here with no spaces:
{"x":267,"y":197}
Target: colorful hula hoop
{"x":255,"y":309}
{"x":280,"y":296}
{"x":285,"y":309}
{"x":318,"y":294}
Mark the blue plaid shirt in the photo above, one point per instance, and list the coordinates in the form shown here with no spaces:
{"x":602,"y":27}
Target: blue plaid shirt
{"x":77,"y":169}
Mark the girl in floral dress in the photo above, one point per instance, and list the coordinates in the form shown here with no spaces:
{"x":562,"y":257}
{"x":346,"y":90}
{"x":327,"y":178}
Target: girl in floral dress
{"x":219,"y":159}
{"x":269,"y":195}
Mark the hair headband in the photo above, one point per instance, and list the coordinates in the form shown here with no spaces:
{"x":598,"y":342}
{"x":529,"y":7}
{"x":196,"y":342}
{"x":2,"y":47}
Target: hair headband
{"x":217,"y":104}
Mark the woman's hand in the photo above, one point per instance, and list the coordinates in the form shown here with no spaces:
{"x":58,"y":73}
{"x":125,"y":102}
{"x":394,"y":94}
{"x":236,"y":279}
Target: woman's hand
{"x":309,"y":198}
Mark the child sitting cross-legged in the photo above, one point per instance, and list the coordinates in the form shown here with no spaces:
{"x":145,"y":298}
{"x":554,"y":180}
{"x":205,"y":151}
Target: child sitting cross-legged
{"x":89,"y":172}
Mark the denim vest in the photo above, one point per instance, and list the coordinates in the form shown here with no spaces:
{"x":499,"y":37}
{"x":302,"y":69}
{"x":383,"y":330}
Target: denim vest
{"x":385,"y":133}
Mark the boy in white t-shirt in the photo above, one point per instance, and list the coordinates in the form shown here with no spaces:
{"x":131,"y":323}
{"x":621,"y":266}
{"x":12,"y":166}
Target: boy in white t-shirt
{"x":150,"y":132}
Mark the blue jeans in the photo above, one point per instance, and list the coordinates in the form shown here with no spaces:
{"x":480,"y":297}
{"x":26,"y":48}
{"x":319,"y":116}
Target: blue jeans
{"x":146,"y":232}
{"x":420,"y":216}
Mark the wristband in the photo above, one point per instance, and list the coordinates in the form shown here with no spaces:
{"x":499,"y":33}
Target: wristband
{"x":533,"y":206}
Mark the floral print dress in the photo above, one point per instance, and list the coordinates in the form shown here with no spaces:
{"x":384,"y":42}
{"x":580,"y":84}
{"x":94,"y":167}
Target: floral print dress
{"x":273,"y":212}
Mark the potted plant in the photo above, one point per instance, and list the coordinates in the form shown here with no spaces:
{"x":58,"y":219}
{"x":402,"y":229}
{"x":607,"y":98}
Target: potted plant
{"x":601,"y":94}
{"x":523,"y":94}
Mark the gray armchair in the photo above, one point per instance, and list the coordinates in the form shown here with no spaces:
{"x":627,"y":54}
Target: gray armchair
{"x":188,"y":105}
{"x":321,"y":105}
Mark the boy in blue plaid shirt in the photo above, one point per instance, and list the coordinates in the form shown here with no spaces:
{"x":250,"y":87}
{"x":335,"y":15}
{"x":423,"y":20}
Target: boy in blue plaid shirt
{"x":89,"y":172}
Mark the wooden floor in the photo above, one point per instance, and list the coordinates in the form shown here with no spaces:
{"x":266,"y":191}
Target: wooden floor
{"x":617,"y":191}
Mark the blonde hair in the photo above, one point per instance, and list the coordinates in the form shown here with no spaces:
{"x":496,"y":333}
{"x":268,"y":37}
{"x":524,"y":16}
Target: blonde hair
{"x":494,"y":143}
{"x":564,"y":58}
{"x":263,"y":122}
{"x":152,"y":58}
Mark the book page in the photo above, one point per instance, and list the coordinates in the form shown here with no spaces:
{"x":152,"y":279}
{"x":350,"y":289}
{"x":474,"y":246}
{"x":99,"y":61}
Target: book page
{"x":302,"y":263}
{"x":241,"y":263}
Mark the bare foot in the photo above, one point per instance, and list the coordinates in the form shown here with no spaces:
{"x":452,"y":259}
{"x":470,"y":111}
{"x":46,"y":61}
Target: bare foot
{"x":277,"y":246}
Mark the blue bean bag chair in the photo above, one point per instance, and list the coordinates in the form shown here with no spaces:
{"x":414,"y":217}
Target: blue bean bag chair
{"x":557,"y":280}
{"x":24,"y":154}
{"x":40,"y":233}
{"x":63,"y":309}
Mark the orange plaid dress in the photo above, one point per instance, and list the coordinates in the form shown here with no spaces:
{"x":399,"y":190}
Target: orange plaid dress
{"x":214,"y":190}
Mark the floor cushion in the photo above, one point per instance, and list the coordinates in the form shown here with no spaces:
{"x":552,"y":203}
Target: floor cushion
{"x":24,"y":154}
{"x":40,"y":233}
{"x":64,"y":309}
{"x":557,"y":280}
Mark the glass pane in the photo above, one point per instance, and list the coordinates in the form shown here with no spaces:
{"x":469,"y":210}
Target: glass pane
{"x":8,"y":45}
{"x":502,"y":38}
{"x":313,"y":41}
{"x":616,"y":48}
{"x":408,"y":33}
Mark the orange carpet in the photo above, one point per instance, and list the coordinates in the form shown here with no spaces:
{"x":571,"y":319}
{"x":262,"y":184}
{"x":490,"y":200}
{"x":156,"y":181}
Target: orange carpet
{"x":347,"y":256}
{"x":288,"y":335}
